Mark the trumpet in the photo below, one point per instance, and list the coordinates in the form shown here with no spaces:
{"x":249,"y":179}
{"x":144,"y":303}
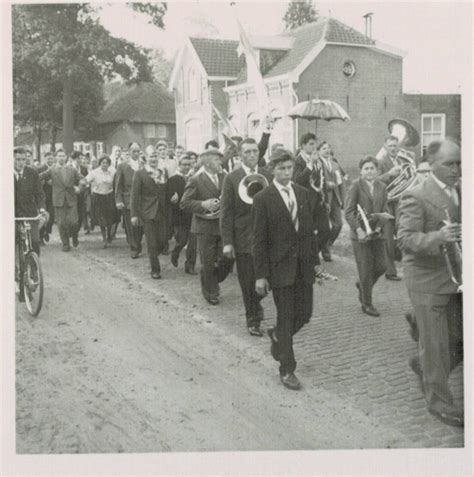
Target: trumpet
{"x":452,"y":252}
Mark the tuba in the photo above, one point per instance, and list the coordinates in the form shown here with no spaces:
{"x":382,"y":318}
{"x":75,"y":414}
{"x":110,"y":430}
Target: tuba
{"x":250,"y":185}
{"x":452,"y":253}
{"x":407,"y":136}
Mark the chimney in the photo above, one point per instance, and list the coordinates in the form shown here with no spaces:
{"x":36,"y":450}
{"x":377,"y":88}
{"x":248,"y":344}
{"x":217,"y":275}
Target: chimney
{"x":368,"y":24}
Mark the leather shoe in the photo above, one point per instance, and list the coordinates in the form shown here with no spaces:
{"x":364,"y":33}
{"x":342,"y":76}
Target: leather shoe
{"x":66,"y":248}
{"x":155,"y":275}
{"x":290,"y":381}
{"x":449,"y":416}
{"x":394,"y":278}
{"x":255,"y":331}
{"x":212,"y":300}
{"x":416,"y":367}
{"x":174,"y":260}
{"x":327,"y":257}
{"x":134,"y":254}
{"x":75,"y":242}
{"x":190,"y":271}
{"x":274,"y":348}
{"x":360,"y":291}
{"x":370,"y":310}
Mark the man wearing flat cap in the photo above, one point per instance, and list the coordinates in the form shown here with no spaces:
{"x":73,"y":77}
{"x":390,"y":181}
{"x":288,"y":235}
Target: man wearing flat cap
{"x":202,"y":197}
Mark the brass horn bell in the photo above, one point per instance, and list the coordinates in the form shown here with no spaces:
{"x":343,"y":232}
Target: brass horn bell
{"x":250,"y":185}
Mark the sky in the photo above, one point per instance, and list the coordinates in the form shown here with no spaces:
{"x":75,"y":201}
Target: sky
{"x":436,"y":36}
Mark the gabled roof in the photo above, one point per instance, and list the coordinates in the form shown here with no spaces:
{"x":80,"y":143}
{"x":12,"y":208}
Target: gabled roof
{"x":308,"y":36}
{"x":144,"y":103}
{"x":219,"y":57}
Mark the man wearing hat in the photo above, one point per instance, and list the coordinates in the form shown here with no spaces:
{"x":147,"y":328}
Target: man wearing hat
{"x":284,"y":253}
{"x":202,"y":197}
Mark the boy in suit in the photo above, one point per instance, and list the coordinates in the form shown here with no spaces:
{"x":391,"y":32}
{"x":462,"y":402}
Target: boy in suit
{"x":435,"y":297}
{"x":284,"y":254}
{"x":202,"y":198}
{"x":236,"y":230}
{"x":371,"y":196}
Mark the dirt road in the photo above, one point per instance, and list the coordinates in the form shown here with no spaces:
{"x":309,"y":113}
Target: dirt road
{"x":118,"y":362}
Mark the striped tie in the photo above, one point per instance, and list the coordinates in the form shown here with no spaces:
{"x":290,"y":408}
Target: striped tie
{"x":292,"y":208}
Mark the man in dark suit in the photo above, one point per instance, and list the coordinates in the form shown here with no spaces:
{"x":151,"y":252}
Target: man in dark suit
{"x":389,"y":169}
{"x":29,"y":196}
{"x":334,"y":194}
{"x":181,"y":220}
{"x":65,"y":183}
{"x":148,"y":203}
{"x":436,"y":299}
{"x":309,"y":173}
{"x":45,"y":232}
{"x":76,"y":161}
{"x":201,"y":197}
{"x":123,"y":186}
{"x":236,"y":231}
{"x":284,"y":254}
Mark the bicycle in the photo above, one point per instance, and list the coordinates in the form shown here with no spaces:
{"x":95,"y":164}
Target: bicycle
{"x":28,"y":272}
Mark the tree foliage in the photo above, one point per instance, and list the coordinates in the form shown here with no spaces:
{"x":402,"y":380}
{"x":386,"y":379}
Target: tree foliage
{"x":161,"y":67}
{"x":61,"y":57}
{"x":300,"y":12}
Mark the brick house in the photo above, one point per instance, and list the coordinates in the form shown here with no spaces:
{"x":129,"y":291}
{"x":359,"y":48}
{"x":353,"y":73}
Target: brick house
{"x":325,"y":59}
{"x":143,"y":114}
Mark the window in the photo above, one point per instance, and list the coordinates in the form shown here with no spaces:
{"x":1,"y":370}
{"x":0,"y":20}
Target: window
{"x":161,"y":131}
{"x":433,"y":127}
{"x":253,"y":122}
{"x":194,"y":85}
{"x":99,"y":148}
{"x":149,"y":131}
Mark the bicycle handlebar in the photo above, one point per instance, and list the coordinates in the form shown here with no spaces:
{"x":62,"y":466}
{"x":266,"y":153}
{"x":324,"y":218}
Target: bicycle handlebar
{"x":17,"y":219}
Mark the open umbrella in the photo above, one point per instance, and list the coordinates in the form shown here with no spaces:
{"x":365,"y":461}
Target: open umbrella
{"x":315,"y":109}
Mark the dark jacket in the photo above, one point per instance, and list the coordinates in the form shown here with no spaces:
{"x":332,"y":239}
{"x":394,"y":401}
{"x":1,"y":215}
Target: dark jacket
{"x":198,"y":189}
{"x":29,"y":196}
{"x":176,"y":184}
{"x":123,"y":184}
{"x":147,"y":199}
{"x":277,"y":248}
{"x":331,"y":176}
{"x":235,"y":218}
{"x":359,"y":193}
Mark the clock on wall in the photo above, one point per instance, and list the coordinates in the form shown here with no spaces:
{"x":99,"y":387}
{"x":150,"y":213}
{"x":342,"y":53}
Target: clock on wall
{"x":349,"y":69}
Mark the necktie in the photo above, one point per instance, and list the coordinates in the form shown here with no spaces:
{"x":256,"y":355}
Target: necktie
{"x":216,"y":180}
{"x":371,"y":188}
{"x":453,"y":193}
{"x":252,"y":170}
{"x":292,"y":208}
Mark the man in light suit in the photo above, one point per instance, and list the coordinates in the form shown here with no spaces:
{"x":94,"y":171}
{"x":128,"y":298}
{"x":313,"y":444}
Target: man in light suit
{"x":236,"y":230}
{"x":334,"y":191}
{"x":123,"y":186}
{"x":201,"y":196}
{"x":434,"y":295}
{"x":65,"y":183}
{"x":284,"y":254}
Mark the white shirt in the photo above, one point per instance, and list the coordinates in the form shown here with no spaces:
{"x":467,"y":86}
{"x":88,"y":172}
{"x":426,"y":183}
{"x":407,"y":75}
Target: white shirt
{"x":134,"y":164}
{"x":18,"y":174}
{"x":450,"y":191}
{"x":102,"y":182}
{"x":284,"y":195}
{"x":214,"y":178}
{"x":248,"y":171}
{"x":307,"y":159}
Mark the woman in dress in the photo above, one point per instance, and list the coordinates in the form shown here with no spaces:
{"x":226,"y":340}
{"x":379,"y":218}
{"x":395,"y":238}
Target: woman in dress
{"x":103,"y":208}
{"x":365,"y":212}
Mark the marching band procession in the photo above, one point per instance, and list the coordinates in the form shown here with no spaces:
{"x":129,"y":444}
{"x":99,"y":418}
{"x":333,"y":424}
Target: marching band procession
{"x":274,"y":215}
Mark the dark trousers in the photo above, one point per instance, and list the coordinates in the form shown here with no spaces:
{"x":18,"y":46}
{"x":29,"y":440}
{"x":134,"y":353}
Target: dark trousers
{"x":370,"y":261}
{"x":156,"y":238}
{"x":440,"y":345}
{"x":183,"y":236}
{"x":246,"y":276}
{"x":335,"y":218}
{"x":389,"y":247}
{"x":294,"y":306}
{"x":210,"y":249}
{"x":134,"y":233}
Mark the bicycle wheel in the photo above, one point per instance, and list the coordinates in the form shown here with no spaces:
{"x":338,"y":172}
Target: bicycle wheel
{"x":33,"y":284}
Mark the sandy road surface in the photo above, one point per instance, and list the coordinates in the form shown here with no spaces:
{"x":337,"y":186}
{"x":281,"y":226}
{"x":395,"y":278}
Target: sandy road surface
{"x":120,"y":364}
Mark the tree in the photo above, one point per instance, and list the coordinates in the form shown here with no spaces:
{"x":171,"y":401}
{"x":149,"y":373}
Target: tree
{"x":300,"y":12}
{"x":65,"y":46}
{"x":161,"y":67}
